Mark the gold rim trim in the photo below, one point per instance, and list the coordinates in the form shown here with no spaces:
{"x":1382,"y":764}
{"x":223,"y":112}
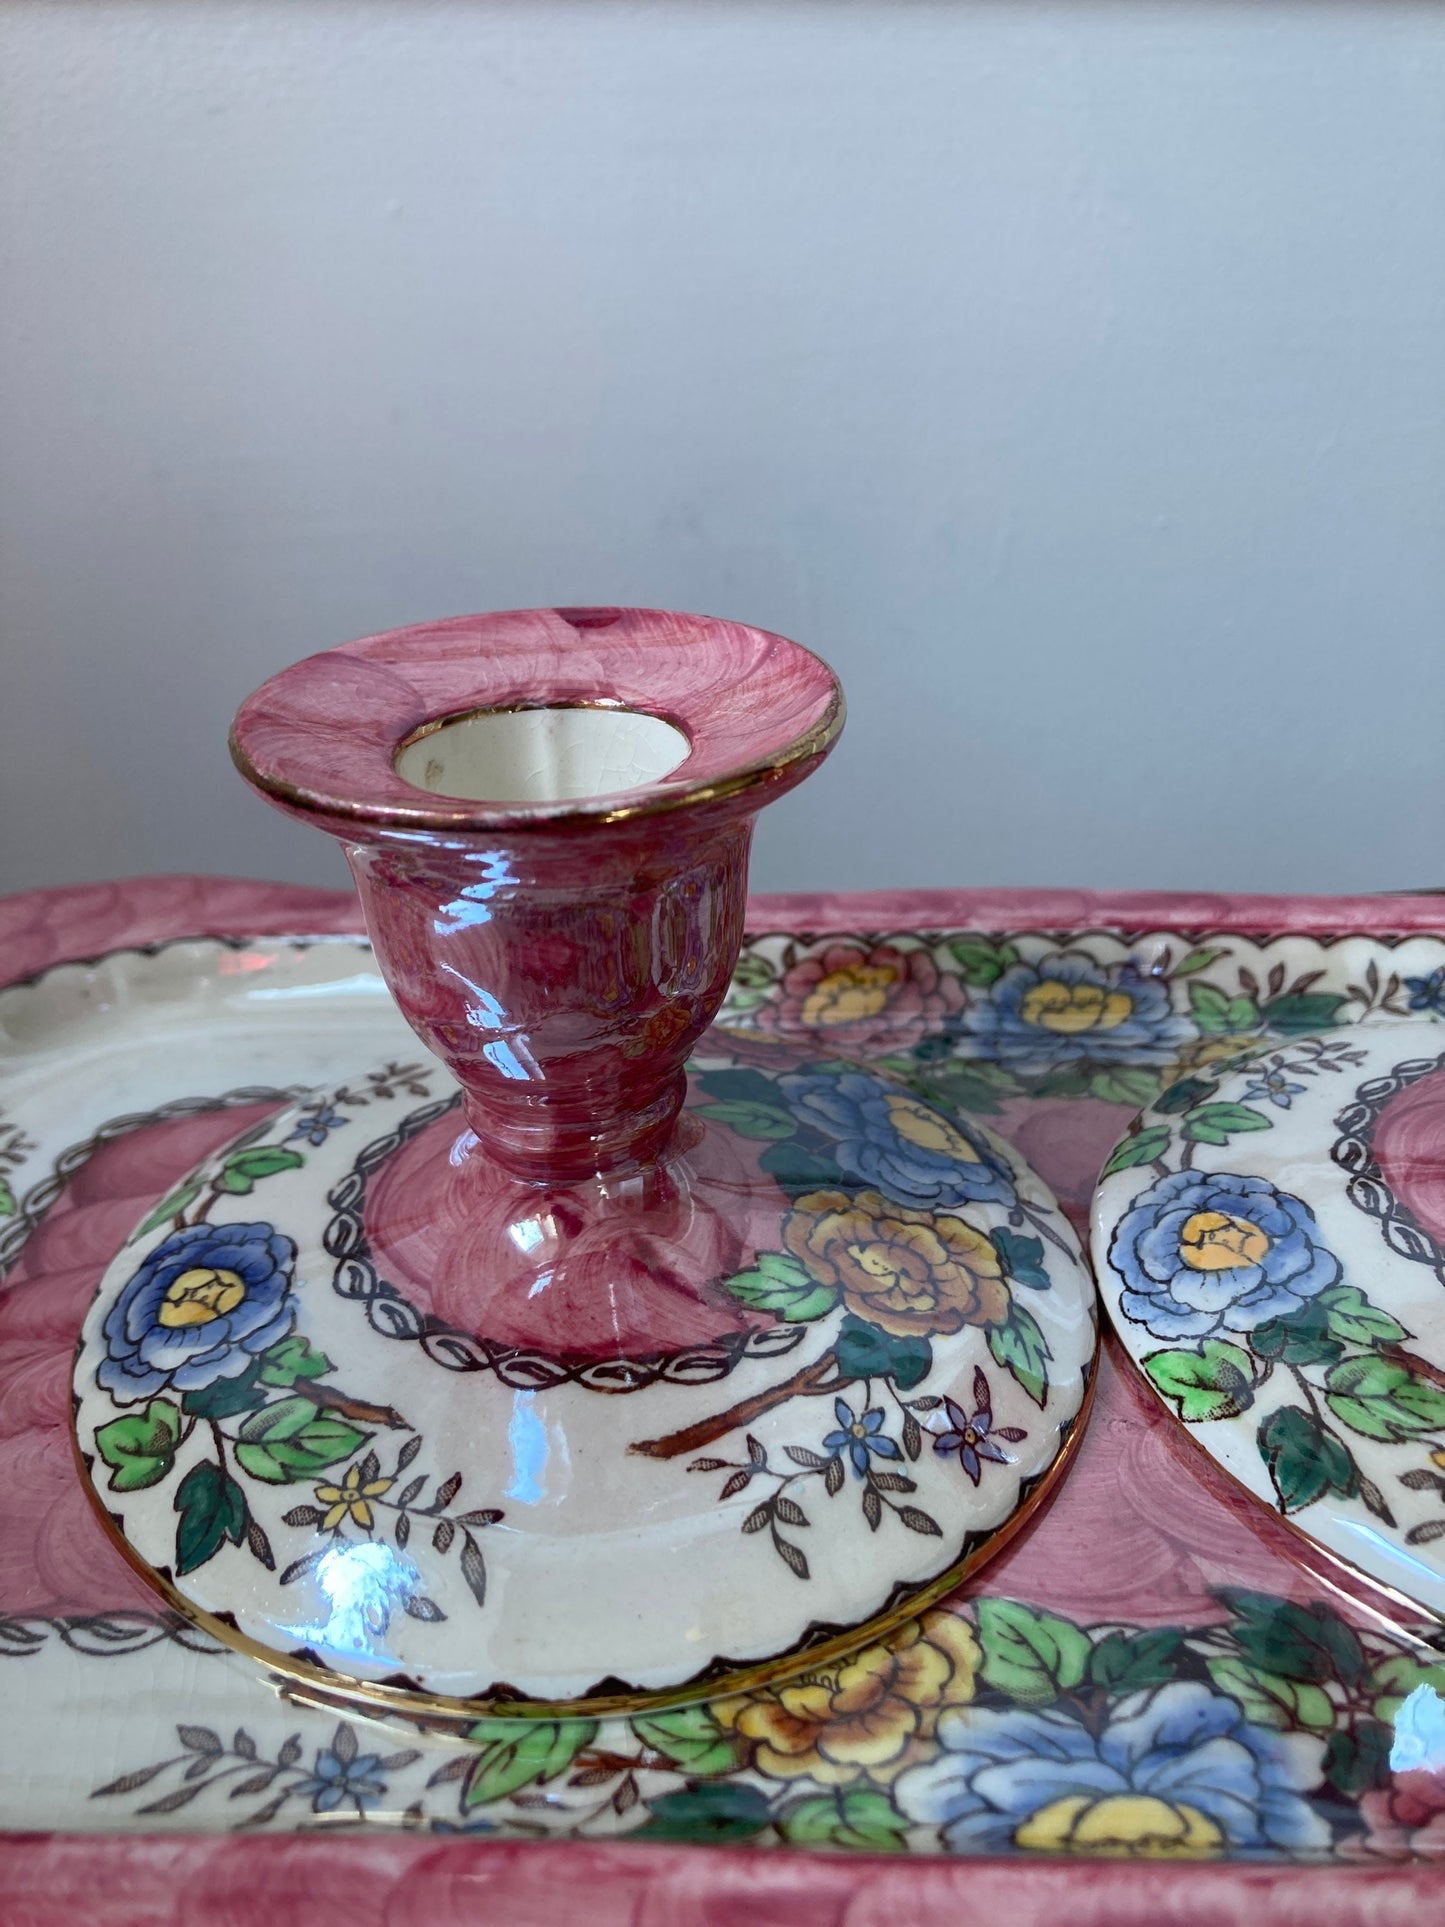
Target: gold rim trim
{"x":1419,"y":1608}
{"x":337,"y":1690}
{"x":663,"y":798}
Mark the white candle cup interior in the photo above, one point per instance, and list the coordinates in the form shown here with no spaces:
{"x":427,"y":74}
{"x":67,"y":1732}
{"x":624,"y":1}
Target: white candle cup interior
{"x":542,"y":755}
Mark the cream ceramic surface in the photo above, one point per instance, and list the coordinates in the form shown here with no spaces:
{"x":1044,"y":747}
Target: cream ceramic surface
{"x":124,"y":1721}
{"x":543,"y":755}
{"x":431,"y":1509}
{"x":1268,"y":1242}
{"x":180,"y":1025}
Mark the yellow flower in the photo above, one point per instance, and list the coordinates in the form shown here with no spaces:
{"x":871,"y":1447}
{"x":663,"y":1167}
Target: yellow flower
{"x":854,"y":991}
{"x":350,"y":1498}
{"x":1121,"y":1826}
{"x":912,"y":1272}
{"x":199,"y":1297}
{"x":1215,"y":1241}
{"x":870,"y":1716}
{"x":1203,"y":1052}
{"x":1068,"y":1008}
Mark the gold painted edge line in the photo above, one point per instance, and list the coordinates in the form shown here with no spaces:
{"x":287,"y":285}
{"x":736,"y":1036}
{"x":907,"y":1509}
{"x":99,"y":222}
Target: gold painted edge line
{"x":1407,"y":1602}
{"x":662,"y":799}
{"x":382,"y":1699}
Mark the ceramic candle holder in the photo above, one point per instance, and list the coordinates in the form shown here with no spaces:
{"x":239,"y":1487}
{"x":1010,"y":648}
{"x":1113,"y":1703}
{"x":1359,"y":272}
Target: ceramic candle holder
{"x":696,"y":1318}
{"x":548,"y":816}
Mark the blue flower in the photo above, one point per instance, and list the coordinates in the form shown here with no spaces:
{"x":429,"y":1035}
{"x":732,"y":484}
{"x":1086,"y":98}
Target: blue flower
{"x":859,"y":1437}
{"x":316,"y":1125}
{"x":910,"y":1151}
{"x":335,"y":1778}
{"x":1066,"y":1009}
{"x":975,"y":1439}
{"x":1203,"y":1252}
{"x":200,"y":1308}
{"x":1273,"y":1086}
{"x":1428,"y":993}
{"x":1177,"y":1773}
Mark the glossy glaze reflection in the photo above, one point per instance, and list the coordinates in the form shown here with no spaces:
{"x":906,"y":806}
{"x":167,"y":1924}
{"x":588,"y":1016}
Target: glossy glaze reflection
{"x":1267,"y":1241}
{"x":562,"y":954}
{"x":101,"y":1680}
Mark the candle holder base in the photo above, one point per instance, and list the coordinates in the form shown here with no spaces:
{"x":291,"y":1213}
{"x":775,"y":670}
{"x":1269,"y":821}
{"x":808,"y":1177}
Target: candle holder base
{"x":416,"y":1431}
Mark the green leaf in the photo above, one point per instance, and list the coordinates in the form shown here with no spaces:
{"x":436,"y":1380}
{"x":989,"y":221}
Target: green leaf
{"x":1069,"y":1080}
{"x":1215,"y":1382}
{"x":982,"y":963}
{"x":1301,"y":1339}
{"x":1304,"y":1010}
{"x":1142,"y":1148}
{"x":1196,"y":960}
{"x":224,"y":1397}
{"x":1383,"y":1399}
{"x":691,"y":1738}
{"x":969,"y":1084}
{"x":718,"y":1810}
{"x":753,"y":972}
{"x":292,"y":1358}
{"x":241,"y":1170}
{"x":212,"y":1509}
{"x":1296,"y":1642}
{"x":861,"y":1817}
{"x":170,"y":1207}
{"x":141,"y":1447}
{"x":520,"y":1753}
{"x":8,"y":1206}
{"x":740,"y":1087}
{"x":1184,"y":1095}
{"x":1305,"y":1461}
{"x":291,"y":1440}
{"x":781,"y":1285}
{"x":751,"y":1120}
{"x":1358,"y":1761}
{"x":934,"y":1047}
{"x":1022,"y":1259}
{"x":1020,"y":1347}
{"x":1217,"y":1123}
{"x":1355,"y":1321}
{"x":1268,"y":1699}
{"x":1032,"y":1656}
{"x":799,"y":1167}
{"x":1122,"y":1663}
{"x":1125,"y":1084}
{"x":1218,"y":1014}
{"x":867,"y":1351}
{"x":1396,"y":1678}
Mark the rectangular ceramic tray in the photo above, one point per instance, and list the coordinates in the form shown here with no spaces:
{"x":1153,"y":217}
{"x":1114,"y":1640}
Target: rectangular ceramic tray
{"x":149,"y":1776}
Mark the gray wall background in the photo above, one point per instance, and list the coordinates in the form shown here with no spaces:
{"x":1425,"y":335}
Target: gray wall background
{"x":1072,"y":375}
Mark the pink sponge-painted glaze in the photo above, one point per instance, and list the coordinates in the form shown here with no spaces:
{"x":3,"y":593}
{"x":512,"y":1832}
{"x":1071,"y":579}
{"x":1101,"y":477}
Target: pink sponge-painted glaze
{"x":1409,"y":1147}
{"x":589,"y":1269}
{"x":562,"y":957}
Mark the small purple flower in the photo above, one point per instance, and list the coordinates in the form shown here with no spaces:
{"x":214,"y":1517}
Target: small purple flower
{"x":975,"y":1439}
{"x":1273,"y":1086}
{"x":316,"y":1125}
{"x":1428,"y":993}
{"x":335,"y":1778}
{"x":859,"y":1437}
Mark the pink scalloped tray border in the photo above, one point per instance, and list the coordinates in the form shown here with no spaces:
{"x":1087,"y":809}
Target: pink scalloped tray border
{"x":128,"y":1880}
